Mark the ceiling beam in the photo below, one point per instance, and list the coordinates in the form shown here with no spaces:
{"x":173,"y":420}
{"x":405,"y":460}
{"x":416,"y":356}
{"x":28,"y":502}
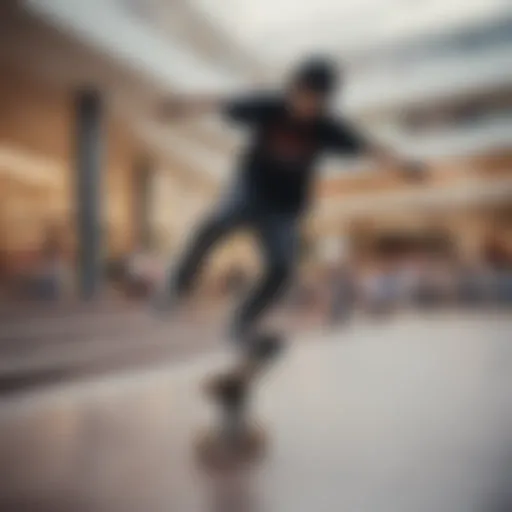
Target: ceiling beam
{"x":206,"y":39}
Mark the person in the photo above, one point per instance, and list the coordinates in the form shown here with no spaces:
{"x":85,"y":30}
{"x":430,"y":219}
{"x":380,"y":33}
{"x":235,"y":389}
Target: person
{"x":288,"y":132}
{"x":52,"y":268}
{"x":342,"y":294}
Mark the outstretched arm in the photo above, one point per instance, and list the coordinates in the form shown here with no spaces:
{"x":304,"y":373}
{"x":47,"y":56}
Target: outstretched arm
{"x":179,"y":107}
{"x":411,"y":170}
{"x":344,"y":138}
{"x":247,"y":109}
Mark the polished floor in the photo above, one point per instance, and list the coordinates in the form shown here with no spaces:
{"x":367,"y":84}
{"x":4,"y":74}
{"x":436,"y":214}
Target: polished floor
{"x":408,"y":415}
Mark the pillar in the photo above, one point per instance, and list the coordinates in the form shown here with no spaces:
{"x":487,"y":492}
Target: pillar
{"x":142,"y":195}
{"x":89,"y":167}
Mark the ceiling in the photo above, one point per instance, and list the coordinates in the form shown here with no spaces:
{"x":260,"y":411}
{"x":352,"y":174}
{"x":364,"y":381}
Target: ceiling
{"x":109,"y":26}
{"x":189,"y":24}
{"x":277,"y":31}
{"x":217,"y":46}
{"x":263,"y":37}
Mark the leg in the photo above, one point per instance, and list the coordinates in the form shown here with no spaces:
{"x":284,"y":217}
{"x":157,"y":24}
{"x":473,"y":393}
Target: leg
{"x":180,"y":279}
{"x":278,"y":237}
{"x":192,"y":260}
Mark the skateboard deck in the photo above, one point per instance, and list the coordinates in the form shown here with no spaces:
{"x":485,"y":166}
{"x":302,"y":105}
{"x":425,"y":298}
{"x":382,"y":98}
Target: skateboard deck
{"x":237,"y":441}
{"x":216,"y":451}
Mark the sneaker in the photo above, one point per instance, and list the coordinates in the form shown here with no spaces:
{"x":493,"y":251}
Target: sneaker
{"x":228,"y":389}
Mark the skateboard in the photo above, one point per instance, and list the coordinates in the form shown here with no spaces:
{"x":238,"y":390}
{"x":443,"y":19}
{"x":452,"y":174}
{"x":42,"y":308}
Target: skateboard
{"x":238,"y":441}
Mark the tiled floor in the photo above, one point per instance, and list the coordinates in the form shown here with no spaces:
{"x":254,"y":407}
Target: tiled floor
{"x":414,"y":415}
{"x":43,"y":344}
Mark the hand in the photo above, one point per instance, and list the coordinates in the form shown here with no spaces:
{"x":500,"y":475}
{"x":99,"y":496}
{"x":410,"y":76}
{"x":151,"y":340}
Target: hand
{"x":172,"y":108}
{"x":178,"y":107}
{"x":414,"y":171}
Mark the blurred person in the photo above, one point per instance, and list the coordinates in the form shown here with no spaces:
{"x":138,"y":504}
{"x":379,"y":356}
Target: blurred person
{"x":439,"y":282}
{"x":472,"y":281}
{"x":139,"y":268}
{"x":497,"y":255}
{"x":51,"y":272}
{"x":498,"y":258}
{"x":380,"y":288}
{"x":288,"y":131}
{"x":409,"y":278}
{"x":342,"y":294}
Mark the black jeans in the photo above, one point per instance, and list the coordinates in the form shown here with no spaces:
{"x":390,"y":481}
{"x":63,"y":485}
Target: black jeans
{"x":277,"y":234}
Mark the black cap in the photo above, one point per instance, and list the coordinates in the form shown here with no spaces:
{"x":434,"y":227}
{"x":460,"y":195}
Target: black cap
{"x":318,"y":74}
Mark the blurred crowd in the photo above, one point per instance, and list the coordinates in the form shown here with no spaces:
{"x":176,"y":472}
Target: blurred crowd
{"x":416,"y":282}
{"x":377,"y":285}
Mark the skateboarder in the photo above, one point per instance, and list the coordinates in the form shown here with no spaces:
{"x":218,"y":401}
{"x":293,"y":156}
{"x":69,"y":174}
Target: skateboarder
{"x":289,"y":130}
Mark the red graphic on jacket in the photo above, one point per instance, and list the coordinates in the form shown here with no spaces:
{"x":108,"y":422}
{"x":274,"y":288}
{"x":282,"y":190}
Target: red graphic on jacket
{"x":289,"y":145}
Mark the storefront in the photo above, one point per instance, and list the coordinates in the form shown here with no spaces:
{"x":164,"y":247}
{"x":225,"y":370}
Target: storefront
{"x":38,"y":177}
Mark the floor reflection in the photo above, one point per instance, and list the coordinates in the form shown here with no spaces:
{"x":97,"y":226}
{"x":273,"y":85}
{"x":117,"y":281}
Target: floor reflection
{"x":413,"y":416}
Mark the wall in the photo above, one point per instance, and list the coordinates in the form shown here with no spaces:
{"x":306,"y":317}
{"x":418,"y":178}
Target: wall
{"x":469,"y":224}
{"x":37,"y":168}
